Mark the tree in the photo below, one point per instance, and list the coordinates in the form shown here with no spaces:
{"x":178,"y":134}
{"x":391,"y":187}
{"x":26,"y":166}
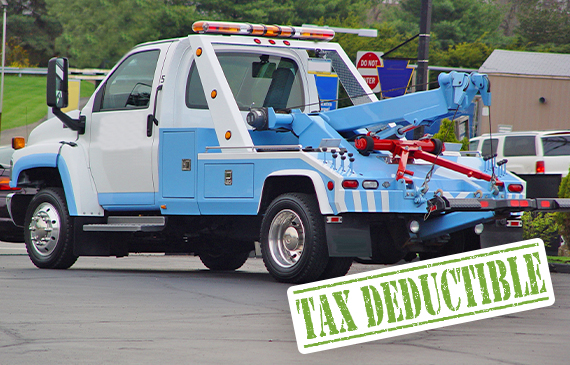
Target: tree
{"x":30,"y":31}
{"x":544,"y":22}
{"x":446,"y":133}
{"x":456,"y":21}
{"x":293,"y":12}
{"x":96,"y":33}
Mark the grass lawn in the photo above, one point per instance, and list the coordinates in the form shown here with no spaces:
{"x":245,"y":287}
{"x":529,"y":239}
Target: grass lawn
{"x":25,"y":99}
{"x":559,"y":259}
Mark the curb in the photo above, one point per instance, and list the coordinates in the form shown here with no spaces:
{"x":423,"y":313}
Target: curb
{"x":559,"y":268}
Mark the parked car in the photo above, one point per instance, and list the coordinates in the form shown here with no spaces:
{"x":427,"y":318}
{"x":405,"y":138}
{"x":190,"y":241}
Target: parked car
{"x":541,"y":158}
{"x":8,"y":231}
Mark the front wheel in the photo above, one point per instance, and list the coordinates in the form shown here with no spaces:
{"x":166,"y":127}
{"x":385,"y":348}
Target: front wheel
{"x":48,"y":230}
{"x":223,"y":261}
{"x":293,"y":240}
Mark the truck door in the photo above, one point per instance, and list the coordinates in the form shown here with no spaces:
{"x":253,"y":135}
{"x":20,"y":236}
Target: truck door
{"x":121,"y":147}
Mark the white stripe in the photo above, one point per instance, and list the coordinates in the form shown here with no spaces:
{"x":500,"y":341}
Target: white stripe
{"x":357,"y":201}
{"x":462,"y":195}
{"x":371,"y":201}
{"x":385,"y":201}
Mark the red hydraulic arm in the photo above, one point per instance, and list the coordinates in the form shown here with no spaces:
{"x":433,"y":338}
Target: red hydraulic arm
{"x":416,"y":150}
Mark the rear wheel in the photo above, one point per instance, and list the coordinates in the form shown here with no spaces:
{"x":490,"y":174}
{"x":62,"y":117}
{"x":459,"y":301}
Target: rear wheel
{"x":225,"y":261}
{"x":293,"y":240}
{"x":48,"y":230}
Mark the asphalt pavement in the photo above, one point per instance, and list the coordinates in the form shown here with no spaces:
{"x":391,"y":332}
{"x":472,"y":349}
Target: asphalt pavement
{"x":149,"y":309}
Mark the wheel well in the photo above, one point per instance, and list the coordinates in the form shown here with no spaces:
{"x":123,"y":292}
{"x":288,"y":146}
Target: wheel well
{"x":40,"y":177}
{"x":277,"y":185}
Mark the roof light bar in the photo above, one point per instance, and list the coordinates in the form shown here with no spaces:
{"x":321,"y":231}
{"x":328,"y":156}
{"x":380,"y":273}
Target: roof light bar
{"x":260,"y":30}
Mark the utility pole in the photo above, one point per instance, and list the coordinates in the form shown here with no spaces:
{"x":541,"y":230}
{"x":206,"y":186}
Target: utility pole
{"x":423,"y":55}
{"x":4,"y":6}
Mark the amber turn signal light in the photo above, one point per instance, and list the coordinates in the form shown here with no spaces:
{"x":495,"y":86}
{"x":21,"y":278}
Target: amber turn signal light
{"x":18,"y":142}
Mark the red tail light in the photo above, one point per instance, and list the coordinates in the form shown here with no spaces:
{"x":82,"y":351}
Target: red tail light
{"x":350,"y":184}
{"x":540,"y":167}
{"x":5,"y":184}
{"x":515,"y":188}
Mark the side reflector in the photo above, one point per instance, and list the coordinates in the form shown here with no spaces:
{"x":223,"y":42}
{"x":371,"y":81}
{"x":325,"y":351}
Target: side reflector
{"x":330,"y":185}
{"x":334,"y":219}
{"x":18,"y":142}
{"x":350,"y":184}
{"x":540,"y":167}
{"x":515,"y":188}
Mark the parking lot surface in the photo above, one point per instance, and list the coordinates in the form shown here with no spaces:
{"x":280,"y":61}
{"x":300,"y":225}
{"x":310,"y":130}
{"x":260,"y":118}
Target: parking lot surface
{"x":150,"y":309}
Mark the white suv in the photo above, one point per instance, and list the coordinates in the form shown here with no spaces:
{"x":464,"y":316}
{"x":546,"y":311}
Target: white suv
{"x":535,"y":156}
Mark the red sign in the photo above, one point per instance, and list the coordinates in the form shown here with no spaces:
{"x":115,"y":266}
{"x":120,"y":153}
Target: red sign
{"x":367,"y":66}
{"x":369,"y":60}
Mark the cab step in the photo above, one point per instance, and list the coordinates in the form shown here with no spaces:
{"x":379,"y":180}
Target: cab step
{"x":128,"y":224}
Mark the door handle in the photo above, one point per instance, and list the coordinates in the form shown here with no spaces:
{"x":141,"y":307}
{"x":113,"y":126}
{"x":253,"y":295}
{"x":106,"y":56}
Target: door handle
{"x":151,"y":118}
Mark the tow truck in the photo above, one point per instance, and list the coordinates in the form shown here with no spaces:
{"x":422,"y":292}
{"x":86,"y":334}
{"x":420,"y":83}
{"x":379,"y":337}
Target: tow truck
{"x":208,"y":143}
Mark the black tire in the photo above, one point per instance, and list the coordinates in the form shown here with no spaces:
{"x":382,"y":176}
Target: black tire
{"x":337,"y":266}
{"x":226,"y":261}
{"x":293,"y":240}
{"x":48,"y":230}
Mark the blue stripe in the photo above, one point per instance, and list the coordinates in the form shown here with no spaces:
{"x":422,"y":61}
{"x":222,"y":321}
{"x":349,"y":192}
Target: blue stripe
{"x":127,"y":201}
{"x":47,"y":160}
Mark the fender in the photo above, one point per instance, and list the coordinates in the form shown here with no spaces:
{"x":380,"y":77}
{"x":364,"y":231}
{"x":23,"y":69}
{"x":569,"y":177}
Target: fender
{"x":72,"y":166}
{"x":318,"y":184}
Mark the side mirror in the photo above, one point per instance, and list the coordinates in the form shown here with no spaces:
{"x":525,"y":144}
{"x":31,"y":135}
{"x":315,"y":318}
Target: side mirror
{"x":57,"y":93}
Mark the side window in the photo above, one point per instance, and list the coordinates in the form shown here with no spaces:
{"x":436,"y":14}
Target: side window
{"x":195,"y":97}
{"x":486,"y":149}
{"x":520,"y":146}
{"x":255,"y":80}
{"x":473,"y":145}
{"x":130,"y":85}
{"x":556,"y":146}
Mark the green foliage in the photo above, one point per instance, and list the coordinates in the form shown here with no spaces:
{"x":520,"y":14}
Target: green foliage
{"x":563,"y":219}
{"x":446,"y":132}
{"x":543,"y":23}
{"x":96,"y":33}
{"x":295,"y":12}
{"x":465,"y":55}
{"x":31,"y":30}
{"x":457,"y":21}
{"x":540,"y":225}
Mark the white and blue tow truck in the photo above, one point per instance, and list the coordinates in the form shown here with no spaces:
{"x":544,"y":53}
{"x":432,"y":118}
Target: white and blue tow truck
{"x":208,"y":143}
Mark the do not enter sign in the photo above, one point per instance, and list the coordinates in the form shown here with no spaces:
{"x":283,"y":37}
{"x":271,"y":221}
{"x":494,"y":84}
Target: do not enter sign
{"x":366,"y":64}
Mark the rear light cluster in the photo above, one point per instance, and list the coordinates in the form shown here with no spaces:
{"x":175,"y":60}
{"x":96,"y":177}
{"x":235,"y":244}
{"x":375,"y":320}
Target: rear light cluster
{"x":366,"y":184}
{"x":5,"y":184}
{"x":540,"y":167}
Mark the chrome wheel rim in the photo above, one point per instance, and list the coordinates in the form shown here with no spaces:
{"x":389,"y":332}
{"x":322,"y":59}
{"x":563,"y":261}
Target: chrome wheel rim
{"x":286,"y":238}
{"x":44,"y":229}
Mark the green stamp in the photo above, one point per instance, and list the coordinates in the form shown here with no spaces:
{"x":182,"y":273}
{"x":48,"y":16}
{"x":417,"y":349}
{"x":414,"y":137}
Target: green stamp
{"x":420,"y":296}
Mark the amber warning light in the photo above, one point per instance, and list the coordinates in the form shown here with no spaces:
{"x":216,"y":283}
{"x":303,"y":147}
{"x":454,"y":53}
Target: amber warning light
{"x":261,"y":30}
